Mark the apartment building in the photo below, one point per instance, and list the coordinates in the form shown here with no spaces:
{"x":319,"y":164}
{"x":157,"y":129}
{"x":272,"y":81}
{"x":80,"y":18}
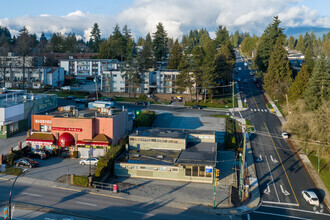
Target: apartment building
{"x":88,"y":67}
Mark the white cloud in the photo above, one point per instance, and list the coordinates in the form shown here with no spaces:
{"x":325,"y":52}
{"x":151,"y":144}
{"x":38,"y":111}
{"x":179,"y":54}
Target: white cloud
{"x":178,"y":17}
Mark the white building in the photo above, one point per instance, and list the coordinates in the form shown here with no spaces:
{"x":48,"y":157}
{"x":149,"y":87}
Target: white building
{"x":88,"y":67}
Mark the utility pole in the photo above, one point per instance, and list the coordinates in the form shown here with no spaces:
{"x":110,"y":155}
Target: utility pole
{"x":241,"y":179}
{"x":97,"y":95}
{"x":287,"y":102}
{"x":318,"y":157}
{"x":233,"y":94}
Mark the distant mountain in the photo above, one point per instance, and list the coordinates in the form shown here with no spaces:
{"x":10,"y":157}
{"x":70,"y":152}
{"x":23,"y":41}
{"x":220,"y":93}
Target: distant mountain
{"x":296,"y":31}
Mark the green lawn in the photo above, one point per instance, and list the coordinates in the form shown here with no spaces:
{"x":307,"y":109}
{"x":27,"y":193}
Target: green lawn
{"x":324,"y":170}
{"x":13,"y":171}
{"x":269,"y":105}
{"x":126,"y":99}
{"x":216,"y":103}
{"x":78,"y":94}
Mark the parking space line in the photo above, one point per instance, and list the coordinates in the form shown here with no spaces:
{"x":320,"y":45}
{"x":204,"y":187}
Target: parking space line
{"x":280,"y":215}
{"x":278,"y":198}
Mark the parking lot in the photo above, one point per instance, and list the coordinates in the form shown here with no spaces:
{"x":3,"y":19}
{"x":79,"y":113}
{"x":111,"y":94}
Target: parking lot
{"x":53,"y":168}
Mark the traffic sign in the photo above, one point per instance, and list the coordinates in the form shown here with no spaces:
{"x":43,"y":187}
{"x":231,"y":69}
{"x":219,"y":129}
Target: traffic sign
{"x":6,"y":213}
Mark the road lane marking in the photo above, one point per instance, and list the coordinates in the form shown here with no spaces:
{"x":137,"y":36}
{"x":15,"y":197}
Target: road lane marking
{"x":267,"y":191}
{"x":248,"y":216}
{"x":142,"y":213}
{"x":284,"y":191}
{"x":260,"y":157}
{"x":298,"y":210}
{"x":85,"y":203}
{"x":281,"y":164}
{"x":271,"y":175}
{"x":258,"y":110}
{"x":31,"y":194}
{"x":285,"y":216}
{"x":279,"y":203}
{"x":57,"y":187}
{"x":274,"y":160}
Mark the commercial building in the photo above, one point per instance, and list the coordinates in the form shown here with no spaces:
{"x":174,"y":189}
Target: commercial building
{"x":69,"y":129}
{"x":16,"y":108}
{"x":169,"y":154}
{"x":89,"y":67}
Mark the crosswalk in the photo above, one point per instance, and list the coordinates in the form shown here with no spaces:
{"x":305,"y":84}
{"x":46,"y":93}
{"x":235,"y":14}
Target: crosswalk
{"x":259,"y":110}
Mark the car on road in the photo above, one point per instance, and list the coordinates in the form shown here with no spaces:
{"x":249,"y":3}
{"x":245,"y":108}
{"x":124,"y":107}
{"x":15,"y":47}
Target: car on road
{"x":251,"y":73}
{"x":39,"y":154}
{"x":26,"y":162}
{"x":82,"y":83}
{"x":238,"y":79}
{"x":70,"y":97}
{"x":76,"y":85}
{"x":245,"y":81}
{"x":285,"y":135}
{"x":195,"y":107}
{"x":66,"y":88}
{"x":107,"y":99}
{"x":91,"y":99}
{"x":141,"y":103}
{"x":79,"y":100}
{"x":93,"y":161}
{"x":239,"y":68}
{"x":310,"y":197}
{"x":258,"y":85}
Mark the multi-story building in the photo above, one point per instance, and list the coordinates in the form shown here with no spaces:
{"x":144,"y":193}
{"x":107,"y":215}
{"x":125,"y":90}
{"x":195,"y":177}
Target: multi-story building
{"x":16,"y":107}
{"x":13,"y":73}
{"x":89,"y":67}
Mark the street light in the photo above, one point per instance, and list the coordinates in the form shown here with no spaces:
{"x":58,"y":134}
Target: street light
{"x":11,"y":190}
{"x":318,"y":159}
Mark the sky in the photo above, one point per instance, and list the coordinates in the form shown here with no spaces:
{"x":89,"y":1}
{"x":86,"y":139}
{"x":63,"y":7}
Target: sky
{"x":142,"y":16}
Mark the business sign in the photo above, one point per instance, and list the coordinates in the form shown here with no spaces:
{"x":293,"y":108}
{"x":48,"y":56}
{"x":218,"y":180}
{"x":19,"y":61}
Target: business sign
{"x":208,"y":169}
{"x":43,"y":121}
{"x":6,"y":213}
{"x":66,"y":129}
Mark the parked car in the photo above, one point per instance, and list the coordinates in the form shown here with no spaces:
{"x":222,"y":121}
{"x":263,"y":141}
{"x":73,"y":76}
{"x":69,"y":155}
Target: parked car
{"x":76,"y":85}
{"x":107,"y":99}
{"x":78,"y":100}
{"x":310,"y":197}
{"x":92,"y":99}
{"x":39,"y":154}
{"x":251,"y":73}
{"x":285,"y":135}
{"x":195,"y":107}
{"x":66,"y":88}
{"x":26,"y":162}
{"x":93,"y":161}
{"x":70,"y":97}
{"x":82,"y":83}
{"x":239,"y":68}
{"x":141,"y":103}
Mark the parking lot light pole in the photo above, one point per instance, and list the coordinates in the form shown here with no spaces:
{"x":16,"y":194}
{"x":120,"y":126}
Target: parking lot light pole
{"x":10,"y":193}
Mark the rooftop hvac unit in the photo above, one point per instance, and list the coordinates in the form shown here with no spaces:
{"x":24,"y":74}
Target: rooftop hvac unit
{"x":160,"y":157}
{"x":66,"y":115}
{"x":81,"y":115}
{"x":75,"y":112}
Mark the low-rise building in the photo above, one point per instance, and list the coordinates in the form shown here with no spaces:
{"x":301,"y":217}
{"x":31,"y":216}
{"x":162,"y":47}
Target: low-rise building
{"x":69,"y":129}
{"x":169,"y":154}
{"x":16,"y":107}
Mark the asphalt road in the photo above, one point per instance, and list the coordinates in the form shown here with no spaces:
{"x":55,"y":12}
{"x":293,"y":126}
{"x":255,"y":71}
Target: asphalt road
{"x":281,"y":175}
{"x":94,"y":206}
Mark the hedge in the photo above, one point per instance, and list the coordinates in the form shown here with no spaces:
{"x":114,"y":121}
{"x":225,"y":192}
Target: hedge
{"x":80,"y":180}
{"x":145,"y":119}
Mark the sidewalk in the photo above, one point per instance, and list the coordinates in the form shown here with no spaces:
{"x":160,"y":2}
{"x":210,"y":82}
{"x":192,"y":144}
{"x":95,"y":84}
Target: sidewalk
{"x":305,"y":161}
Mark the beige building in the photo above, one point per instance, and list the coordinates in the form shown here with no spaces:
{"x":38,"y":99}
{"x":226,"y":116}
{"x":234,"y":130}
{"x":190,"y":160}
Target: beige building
{"x":169,"y":154}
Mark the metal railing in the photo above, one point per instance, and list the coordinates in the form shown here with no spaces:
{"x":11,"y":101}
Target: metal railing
{"x":105,"y":186}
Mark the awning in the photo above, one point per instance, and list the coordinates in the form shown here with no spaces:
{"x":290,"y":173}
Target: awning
{"x":41,"y":139}
{"x":99,"y":140}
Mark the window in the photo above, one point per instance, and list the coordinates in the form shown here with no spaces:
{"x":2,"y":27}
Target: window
{"x":170,"y":141}
{"x":195,"y":171}
{"x":188,"y":171}
{"x":148,"y":168}
{"x":153,"y":140}
{"x":175,"y":169}
{"x":202,"y":171}
{"x":175,"y":142}
{"x":142,"y":167}
{"x":131,"y":139}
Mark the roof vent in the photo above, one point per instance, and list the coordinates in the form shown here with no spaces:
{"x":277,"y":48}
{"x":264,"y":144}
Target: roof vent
{"x":66,"y":115}
{"x":136,"y":155}
{"x":160,"y":157}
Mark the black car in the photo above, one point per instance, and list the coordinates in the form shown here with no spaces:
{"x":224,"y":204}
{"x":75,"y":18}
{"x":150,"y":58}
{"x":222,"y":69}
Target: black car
{"x":26,"y":162}
{"x":195,"y":107}
{"x":78,"y":100}
{"x":141,"y":103}
{"x":39,"y":154}
{"x":107,"y":99}
{"x":70,"y":97}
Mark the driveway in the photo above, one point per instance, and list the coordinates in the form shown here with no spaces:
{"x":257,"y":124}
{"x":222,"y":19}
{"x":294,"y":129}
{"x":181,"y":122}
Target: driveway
{"x":53,"y":168}
{"x":12,"y":142}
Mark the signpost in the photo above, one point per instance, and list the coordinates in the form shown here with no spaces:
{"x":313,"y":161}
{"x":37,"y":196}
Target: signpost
{"x":6,"y":213}
{"x":216,"y":180}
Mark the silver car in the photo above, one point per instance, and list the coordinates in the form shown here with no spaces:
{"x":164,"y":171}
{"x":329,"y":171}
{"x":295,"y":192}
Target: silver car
{"x":93,"y":161}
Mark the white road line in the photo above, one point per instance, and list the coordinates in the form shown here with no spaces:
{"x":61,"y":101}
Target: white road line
{"x":274,"y":160}
{"x":286,"y":216}
{"x":84,"y":203}
{"x":284,"y":191}
{"x":280,"y":203}
{"x":248,"y":216}
{"x":258,"y":110}
{"x":262,"y":110}
{"x":260,"y":156}
{"x":31,"y":194}
{"x":255,"y":110}
{"x":271,"y":175}
{"x":142,"y":213}
{"x":239,"y":112}
{"x":251,"y":110}
{"x":298,"y":210}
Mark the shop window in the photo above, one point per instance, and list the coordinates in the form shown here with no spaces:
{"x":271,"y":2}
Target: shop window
{"x":131,"y":139}
{"x":175,"y":142}
{"x":209,"y":175}
{"x":195,"y":171}
{"x":158,"y":140}
{"x":164,"y":141}
{"x":202,"y":171}
{"x":142,"y":167}
{"x":148,"y":168}
{"x":153,"y":140}
{"x":175,"y":170}
{"x":155,"y":169}
{"x":188,"y":171}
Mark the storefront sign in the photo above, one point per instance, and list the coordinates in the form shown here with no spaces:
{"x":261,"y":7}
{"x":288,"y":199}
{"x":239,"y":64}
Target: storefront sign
{"x":66,"y":129}
{"x":41,"y":143}
{"x":208,"y":169}
{"x":43,"y":121}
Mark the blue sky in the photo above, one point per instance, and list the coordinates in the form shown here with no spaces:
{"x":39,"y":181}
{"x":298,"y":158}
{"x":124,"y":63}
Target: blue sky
{"x":142,"y":16}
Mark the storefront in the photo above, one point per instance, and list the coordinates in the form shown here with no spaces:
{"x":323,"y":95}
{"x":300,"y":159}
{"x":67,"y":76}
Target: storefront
{"x":44,"y":141}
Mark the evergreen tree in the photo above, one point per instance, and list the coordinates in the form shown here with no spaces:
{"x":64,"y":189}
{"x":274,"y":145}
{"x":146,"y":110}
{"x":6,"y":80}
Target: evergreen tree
{"x":140,"y":41}
{"x":160,"y":40}
{"x":299,"y":84}
{"x":175,"y":56}
{"x":70,"y":43}
{"x":291,"y":43}
{"x":57,"y":42}
{"x":317,"y":90}
{"x":267,"y":42}
{"x":300,"y":43}
{"x":147,"y":53}
{"x":278,"y":76}
{"x":221,"y":36}
{"x":309,"y":59}
{"x":184,"y":81}
{"x":95,"y":38}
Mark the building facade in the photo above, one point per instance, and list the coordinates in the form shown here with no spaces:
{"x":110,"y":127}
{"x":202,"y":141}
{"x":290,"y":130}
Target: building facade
{"x":16,"y":108}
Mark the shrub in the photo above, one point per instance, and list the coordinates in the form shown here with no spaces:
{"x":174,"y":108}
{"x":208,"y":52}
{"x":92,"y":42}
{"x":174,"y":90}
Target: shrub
{"x":80,"y":180}
{"x":55,"y":152}
{"x":13,"y":156}
{"x":145,"y":119}
{"x":143,"y":97}
{"x":75,"y":154}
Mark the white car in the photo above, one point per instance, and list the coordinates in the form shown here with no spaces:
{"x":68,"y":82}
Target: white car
{"x":310,"y":197}
{"x":93,"y":161}
{"x":285,"y":135}
{"x":239,"y":68}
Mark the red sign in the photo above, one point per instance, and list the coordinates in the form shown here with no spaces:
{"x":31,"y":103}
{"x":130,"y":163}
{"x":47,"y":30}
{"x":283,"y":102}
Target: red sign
{"x":66,"y":129}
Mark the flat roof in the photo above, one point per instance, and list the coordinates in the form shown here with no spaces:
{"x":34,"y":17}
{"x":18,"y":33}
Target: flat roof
{"x":167,"y":132}
{"x":88,"y":113}
{"x":152,"y":157}
{"x":199,"y":154}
